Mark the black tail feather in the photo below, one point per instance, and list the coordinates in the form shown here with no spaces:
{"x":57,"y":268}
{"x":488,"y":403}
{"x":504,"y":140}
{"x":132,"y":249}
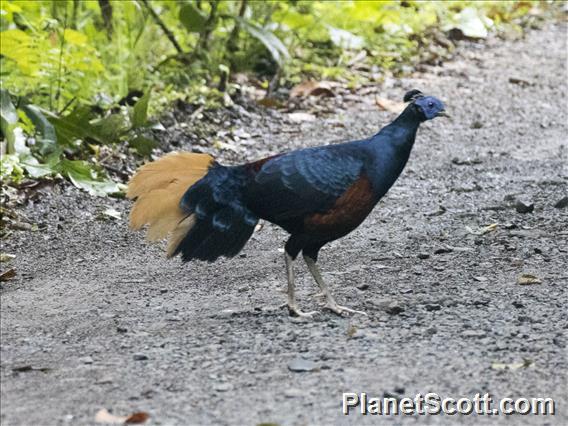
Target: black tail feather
{"x":223,"y":223}
{"x":205,"y":242}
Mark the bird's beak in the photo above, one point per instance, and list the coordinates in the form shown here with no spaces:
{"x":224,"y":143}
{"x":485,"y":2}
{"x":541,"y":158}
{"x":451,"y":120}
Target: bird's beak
{"x":443,"y":113}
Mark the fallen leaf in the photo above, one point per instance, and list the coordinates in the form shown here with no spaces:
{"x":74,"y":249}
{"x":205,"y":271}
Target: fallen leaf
{"x":466,"y":162}
{"x":27,"y":368}
{"x":270,"y":102}
{"x":388,"y":105}
{"x":298,"y":117}
{"x":104,"y":416}
{"x":312,"y":88}
{"x":520,"y":82}
{"x":8,"y":274}
{"x":6,"y":257}
{"x":469,"y":23}
{"x":528,"y":279}
{"x":488,"y":228}
{"x":512,"y":366}
{"x":23,"y":368}
{"x":482,"y":231}
{"x":501,"y":366}
{"x":137,"y":418}
{"x":22,"y":226}
{"x":112,"y":213}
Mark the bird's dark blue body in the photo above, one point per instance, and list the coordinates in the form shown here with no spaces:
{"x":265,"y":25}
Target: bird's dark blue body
{"x":316,"y":194}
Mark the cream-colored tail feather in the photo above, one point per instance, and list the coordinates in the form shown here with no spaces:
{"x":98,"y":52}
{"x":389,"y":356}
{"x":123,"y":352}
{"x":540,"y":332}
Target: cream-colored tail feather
{"x":158,"y":188}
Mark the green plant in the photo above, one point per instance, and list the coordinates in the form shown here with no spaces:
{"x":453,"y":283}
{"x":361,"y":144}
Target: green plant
{"x":62,"y":141}
{"x":72,"y":71}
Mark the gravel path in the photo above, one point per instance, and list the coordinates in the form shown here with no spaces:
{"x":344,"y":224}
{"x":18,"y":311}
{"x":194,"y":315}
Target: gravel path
{"x":98,"y":319}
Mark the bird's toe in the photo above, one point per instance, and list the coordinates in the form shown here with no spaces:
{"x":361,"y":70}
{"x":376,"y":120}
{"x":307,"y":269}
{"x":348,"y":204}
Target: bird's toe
{"x":296,"y":312}
{"x":339,"y":310}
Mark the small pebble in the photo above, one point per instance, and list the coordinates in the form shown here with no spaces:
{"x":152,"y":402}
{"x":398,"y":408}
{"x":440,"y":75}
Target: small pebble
{"x":443,"y":250}
{"x":226,"y":313}
{"x":562,"y":203}
{"x":432,"y":307}
{"x":294,"y":393}
{"x":104,"y":381}
{"x":524,"y":207}
{"x":474,"y":333}
{"x":394,"y":308}
{"x":86,"y":360}
{"x":431,"y":331}
{"x":301,"y":365}
{"x":139,"y":357}
{"x":224,"y":387}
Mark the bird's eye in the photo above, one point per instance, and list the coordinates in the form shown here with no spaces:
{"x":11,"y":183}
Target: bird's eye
{"x":430,"y":104}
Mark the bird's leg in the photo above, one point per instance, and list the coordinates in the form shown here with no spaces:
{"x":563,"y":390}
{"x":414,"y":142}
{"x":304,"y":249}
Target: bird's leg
{"x":292,"y":305}
{"x":331,"y":304}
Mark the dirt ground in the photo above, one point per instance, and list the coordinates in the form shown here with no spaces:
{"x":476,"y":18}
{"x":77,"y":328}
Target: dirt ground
{"x":96,"y":318}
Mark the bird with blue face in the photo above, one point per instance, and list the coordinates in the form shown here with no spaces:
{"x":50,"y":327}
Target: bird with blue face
{"x":316,"y":194}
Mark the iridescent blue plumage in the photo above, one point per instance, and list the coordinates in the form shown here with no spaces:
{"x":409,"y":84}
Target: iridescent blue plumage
{"x":289,"y":189}
{"x":316,"y":194}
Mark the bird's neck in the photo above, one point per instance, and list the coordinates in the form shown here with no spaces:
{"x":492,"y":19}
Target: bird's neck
{"x":392,"y":147}
{"x":401,"y":133}
{"x":410,"y":115}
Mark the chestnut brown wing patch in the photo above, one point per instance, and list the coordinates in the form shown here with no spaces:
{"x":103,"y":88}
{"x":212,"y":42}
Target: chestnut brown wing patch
{"x":346,"y":214}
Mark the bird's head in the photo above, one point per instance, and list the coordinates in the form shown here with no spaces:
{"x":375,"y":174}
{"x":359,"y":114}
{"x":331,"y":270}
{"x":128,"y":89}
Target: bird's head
{"x":429,"y":106}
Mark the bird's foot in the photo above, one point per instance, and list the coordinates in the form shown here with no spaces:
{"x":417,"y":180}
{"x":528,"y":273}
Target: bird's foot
{"x":296,"y":312}
{"x":339,"y":310}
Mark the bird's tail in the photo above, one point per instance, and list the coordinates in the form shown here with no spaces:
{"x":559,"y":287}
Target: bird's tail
{"x":195,"y":201}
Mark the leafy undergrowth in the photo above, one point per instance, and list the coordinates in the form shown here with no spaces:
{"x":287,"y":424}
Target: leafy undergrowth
{"x":79,"y":79}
